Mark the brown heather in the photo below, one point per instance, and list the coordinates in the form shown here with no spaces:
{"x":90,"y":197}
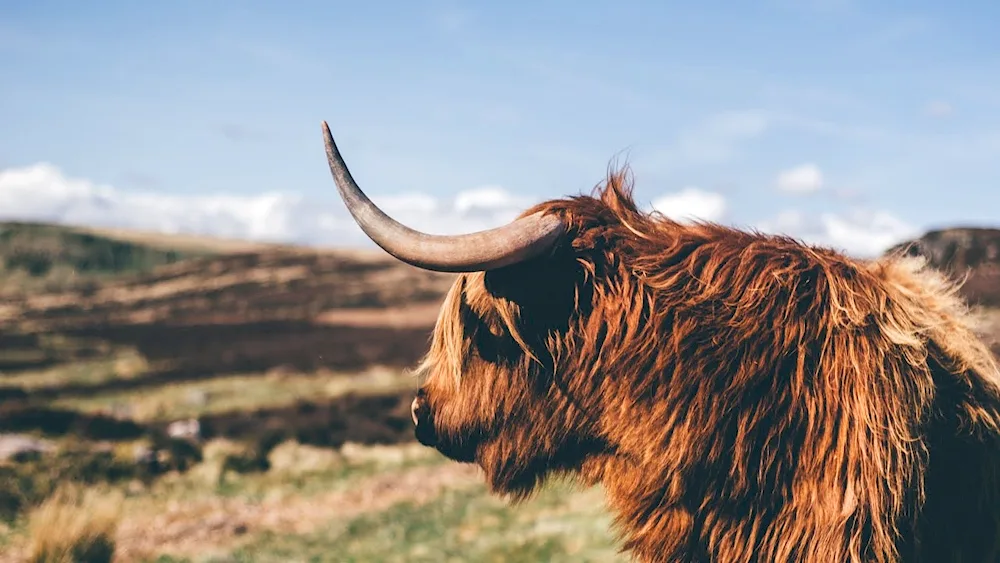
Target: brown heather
{"x":741,"y":397}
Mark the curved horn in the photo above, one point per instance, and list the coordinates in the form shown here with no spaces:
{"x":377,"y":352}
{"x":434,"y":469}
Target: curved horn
{"x":483,"y":250}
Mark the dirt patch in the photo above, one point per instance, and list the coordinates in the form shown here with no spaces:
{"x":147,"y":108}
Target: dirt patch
{"x":217,"y":524}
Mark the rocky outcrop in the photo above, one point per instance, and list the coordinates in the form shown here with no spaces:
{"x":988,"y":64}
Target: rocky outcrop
{"x":969,"y":254}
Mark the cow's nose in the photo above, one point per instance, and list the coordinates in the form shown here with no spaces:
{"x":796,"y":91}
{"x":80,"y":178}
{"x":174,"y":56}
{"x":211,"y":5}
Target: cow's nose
{"x":423,"y":423}
{"x":419,"y":409}
{"x":414,"y":407}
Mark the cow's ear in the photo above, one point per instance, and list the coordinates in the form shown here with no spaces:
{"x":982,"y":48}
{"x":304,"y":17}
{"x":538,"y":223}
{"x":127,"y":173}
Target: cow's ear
{"x":546,"y":292}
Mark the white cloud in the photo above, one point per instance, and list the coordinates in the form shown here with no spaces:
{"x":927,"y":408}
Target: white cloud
{"x":801,"y":179}
{"x":487,"y":200}
{"x":789,"y":222}
{"x":860,"y":232}
{"x":691,"y":203}
{"x":866,"y":233}
{"x":43,"y":193}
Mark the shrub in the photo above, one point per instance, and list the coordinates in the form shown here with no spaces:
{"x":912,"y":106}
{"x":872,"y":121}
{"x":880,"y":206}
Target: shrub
{"x":74,"y":527}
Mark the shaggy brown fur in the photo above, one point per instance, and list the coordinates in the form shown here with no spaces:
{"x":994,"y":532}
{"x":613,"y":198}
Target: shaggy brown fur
{"x":741,"y":397}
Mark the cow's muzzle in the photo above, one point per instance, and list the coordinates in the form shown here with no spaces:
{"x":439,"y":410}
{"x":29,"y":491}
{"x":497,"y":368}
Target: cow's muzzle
{"x":423,"y":421}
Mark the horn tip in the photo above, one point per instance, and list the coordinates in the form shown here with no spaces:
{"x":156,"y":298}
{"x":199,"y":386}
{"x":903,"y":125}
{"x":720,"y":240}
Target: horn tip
{"x":328,"y":140}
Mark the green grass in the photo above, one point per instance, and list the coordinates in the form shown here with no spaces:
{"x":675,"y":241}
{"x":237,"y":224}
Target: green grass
{"x":457,"y":521}
{"x":562,"y":523}
{"x":298,"y":472}
{"x":449,"y":520}
{"x":236,"y":392}
{"x":118,"y":364}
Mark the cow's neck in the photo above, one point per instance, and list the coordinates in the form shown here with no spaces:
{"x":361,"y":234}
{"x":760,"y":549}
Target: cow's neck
{"x":651,"y":527}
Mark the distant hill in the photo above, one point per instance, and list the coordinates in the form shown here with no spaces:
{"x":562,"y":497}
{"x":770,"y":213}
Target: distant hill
{"x":208,"y":305}
{"x":192,"y":243}
{"x":972,"y":254}
{"x":38,"y":256}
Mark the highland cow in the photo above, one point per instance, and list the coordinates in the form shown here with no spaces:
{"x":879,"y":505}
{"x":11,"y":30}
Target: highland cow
{"x":741,"y":397}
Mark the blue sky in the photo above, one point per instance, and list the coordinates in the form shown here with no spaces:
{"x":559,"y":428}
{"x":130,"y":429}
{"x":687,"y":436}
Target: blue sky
{"x":149,"y":114}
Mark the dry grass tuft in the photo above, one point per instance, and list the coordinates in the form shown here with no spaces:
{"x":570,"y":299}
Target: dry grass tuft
{"x":74,"y":527}
{"x":293,"y":458}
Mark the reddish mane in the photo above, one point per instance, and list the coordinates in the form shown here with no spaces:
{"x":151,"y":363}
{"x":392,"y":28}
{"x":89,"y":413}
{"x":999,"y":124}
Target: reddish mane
{"x":741,"y":396}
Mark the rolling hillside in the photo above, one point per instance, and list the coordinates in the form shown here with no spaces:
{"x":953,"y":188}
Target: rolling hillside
{"x":43,"y":257}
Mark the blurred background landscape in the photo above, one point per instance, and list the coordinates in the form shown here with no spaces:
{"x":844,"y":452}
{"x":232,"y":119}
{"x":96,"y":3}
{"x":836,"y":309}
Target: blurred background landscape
{"x":219,"y":400}
{"x":228,"y":401}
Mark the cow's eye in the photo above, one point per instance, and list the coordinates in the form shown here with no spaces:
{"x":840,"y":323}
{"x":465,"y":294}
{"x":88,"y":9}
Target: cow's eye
{"x":494,"y":346}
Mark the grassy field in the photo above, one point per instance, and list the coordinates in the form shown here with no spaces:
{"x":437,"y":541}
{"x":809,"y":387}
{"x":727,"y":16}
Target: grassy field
{"x":398,"y":502}
{"x":361,"y":504}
